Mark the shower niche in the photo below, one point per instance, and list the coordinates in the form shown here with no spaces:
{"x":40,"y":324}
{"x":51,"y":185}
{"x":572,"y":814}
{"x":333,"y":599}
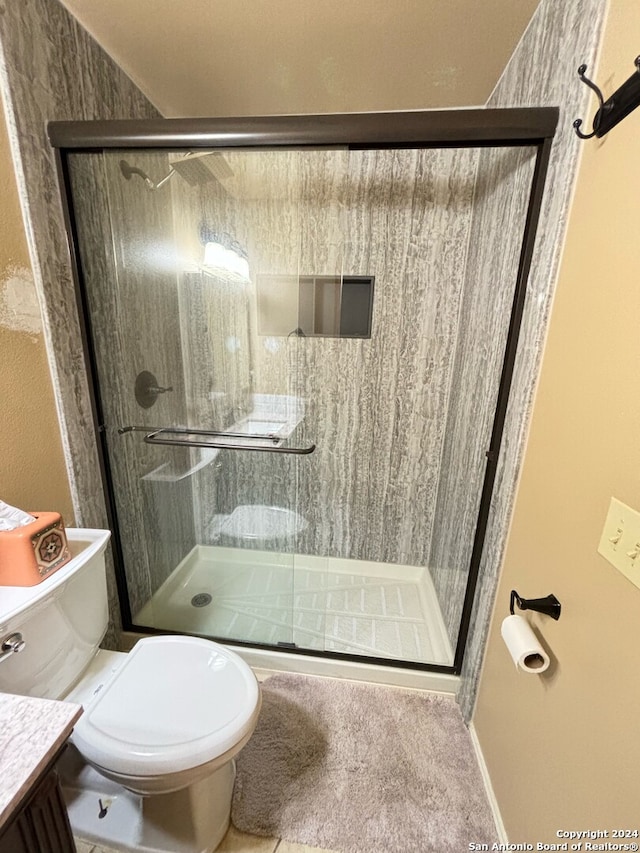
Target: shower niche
{"x":337,"y":306}
{"x":335,"y":327}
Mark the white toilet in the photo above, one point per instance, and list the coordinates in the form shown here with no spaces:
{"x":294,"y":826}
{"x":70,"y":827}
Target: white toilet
{"x":151,"y":765}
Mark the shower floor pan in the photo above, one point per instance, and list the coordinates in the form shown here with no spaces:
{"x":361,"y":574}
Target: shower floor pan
{"x":350,"y":607}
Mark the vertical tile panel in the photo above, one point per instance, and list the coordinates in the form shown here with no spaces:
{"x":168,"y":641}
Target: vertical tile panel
{"x":46,"y":64}
{"x":542,"y":72}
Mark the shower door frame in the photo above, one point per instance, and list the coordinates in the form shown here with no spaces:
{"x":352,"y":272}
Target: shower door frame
{"x":531,"y":127}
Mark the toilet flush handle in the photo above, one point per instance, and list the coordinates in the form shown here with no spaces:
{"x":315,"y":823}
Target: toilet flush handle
{"x":11,"y":645}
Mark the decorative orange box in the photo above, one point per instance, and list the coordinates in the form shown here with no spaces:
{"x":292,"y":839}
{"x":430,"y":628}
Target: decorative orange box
{"x":29,"y":554}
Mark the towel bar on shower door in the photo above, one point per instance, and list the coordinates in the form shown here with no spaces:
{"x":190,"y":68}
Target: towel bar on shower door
{"x":152,"y":434}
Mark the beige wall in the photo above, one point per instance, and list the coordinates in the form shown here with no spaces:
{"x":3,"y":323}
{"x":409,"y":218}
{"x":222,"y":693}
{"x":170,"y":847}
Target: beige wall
{"x":265,"y":57}
{"x":32,"y":469}
{"x":563,"y":749}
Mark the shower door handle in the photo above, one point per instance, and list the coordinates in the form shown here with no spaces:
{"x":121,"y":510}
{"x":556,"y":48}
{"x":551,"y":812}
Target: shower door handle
{"x":154,"y":436}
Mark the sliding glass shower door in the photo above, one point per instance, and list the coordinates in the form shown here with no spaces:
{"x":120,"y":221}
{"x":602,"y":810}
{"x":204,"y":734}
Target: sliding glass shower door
{"x":299,"y":358}
{"x":206,"y":443}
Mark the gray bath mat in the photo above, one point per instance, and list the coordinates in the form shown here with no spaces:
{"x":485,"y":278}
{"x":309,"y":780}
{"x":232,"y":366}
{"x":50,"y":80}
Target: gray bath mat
{"x":357,"y":768}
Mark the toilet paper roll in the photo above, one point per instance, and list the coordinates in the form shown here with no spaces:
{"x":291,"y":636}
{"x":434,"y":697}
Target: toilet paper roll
{"x":527,"y":653}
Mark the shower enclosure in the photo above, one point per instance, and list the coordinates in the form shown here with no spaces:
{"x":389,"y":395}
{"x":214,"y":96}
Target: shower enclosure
{"x":300,"y":339}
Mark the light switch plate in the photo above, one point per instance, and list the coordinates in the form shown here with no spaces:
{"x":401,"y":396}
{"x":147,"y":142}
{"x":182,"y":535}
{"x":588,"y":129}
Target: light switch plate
{"x":620,"y":540}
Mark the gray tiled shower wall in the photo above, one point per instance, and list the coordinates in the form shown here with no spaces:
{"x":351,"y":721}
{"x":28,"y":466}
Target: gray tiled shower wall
{"x":50,"y":68}
{"x":541,"y":72}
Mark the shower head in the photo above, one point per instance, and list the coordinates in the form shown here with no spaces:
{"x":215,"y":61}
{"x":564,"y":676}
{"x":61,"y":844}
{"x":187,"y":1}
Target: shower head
{"x":202,"y":167}
{"x":196,"y":169}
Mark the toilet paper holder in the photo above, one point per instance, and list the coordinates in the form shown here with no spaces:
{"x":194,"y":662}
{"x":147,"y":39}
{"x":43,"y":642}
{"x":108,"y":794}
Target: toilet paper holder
{"x":548,"y":605}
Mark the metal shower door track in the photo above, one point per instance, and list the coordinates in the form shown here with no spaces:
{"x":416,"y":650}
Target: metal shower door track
{"x":408,"y":129}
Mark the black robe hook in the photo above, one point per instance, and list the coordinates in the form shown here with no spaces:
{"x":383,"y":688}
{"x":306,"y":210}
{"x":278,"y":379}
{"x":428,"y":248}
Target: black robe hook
{"x":623,"y":101}
{"x":578,"y":122}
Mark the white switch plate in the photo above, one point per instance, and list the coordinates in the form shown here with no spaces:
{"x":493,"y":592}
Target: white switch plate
{"x":620,"y":540}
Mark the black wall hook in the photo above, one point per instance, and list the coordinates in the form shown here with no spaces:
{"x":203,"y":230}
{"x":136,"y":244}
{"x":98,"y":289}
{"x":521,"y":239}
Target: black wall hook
{"x":549,"y":605}
{"x":610,"y":112}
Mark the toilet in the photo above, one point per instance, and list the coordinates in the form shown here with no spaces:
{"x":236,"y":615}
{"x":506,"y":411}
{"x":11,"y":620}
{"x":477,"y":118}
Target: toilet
{"x":151,"y":763}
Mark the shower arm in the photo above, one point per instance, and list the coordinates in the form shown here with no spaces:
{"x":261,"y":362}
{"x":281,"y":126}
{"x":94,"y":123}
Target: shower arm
{"x":152,"y":434}
{"x":164,"y":180}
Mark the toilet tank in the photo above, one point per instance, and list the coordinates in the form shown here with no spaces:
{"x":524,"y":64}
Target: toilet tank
{"x":62,"y":621}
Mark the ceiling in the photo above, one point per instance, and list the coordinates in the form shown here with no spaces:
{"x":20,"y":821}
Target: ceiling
{"x":267,"y":57}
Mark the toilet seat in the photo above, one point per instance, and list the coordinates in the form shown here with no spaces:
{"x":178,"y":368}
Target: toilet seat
{"x":175,"y":703}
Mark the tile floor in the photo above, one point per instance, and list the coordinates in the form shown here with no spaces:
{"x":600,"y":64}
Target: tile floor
{"x":234,"y":842}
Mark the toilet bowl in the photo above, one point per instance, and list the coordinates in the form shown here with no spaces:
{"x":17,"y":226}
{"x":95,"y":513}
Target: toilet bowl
{"x":151,"y":764}
{"x":174,"y":710}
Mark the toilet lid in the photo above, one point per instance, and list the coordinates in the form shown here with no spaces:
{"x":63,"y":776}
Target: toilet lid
{"x":175,"y":703}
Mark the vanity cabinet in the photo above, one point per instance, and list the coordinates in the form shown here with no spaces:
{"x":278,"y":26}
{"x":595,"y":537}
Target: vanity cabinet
{"x":41,"y":824}
{"x":33,"y":814}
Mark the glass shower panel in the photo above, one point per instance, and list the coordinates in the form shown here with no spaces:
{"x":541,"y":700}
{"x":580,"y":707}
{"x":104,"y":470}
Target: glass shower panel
{"x":496,"y":228}
{"x":403,"y":419}
{"x":381,"y":402}
{"x":298,"y":355}
{"x":204,"y":437}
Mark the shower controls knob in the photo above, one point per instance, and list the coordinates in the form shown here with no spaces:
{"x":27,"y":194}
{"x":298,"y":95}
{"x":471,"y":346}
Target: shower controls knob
{"x":147,"y":389}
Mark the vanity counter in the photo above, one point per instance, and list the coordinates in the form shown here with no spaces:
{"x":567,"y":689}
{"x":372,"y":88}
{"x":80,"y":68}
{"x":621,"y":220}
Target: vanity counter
{"x":32,"y":731}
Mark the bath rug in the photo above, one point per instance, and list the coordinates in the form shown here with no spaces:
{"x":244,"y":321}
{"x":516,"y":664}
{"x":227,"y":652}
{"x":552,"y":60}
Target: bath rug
{"x":359,"y":768}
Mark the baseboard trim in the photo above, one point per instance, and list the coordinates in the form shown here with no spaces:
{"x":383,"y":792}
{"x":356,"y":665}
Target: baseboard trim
{"x":493,"y":802}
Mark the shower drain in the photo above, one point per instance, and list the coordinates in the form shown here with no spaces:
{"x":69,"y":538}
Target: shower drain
{"x":201,"y":599}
